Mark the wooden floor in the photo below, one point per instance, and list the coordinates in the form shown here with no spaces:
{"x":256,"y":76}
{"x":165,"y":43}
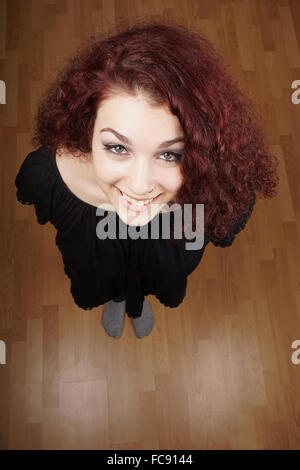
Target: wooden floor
{"x":216,"y":372}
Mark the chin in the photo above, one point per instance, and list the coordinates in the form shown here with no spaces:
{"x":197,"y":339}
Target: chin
{"x":136,"y":218}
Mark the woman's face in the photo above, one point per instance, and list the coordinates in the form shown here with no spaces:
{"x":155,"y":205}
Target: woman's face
{"x":140,"y":159}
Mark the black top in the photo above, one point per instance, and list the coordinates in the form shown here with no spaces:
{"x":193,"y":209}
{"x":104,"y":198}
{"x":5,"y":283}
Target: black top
{"x":102,"y":269}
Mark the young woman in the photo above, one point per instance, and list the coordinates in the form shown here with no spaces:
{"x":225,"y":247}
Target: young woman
{"x":134,"y":123}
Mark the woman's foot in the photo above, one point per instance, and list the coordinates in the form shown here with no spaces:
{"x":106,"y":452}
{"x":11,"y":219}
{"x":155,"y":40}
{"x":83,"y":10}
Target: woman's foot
{"x":113,"y":318}
{"x":143,"y":325}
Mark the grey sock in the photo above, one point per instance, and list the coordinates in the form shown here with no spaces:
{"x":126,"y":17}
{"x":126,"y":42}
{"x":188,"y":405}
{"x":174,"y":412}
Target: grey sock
{"x":143,"y":325}
{"x":113,"y":318}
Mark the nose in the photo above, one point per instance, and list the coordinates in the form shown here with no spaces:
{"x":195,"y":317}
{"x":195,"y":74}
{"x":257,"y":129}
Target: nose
{"x":140,"y":178}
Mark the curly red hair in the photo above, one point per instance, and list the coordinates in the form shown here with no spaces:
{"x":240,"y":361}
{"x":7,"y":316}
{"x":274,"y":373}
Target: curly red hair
{"x":225,"y":158}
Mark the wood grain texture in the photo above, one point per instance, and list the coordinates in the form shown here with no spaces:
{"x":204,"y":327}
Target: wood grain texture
{"x":215,"y":372}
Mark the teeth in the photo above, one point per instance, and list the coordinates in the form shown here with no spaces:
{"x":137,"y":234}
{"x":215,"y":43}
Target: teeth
{"x":137,"y":203}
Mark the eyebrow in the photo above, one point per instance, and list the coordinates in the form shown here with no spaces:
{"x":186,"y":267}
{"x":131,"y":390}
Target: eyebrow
{"x":127,"y":141}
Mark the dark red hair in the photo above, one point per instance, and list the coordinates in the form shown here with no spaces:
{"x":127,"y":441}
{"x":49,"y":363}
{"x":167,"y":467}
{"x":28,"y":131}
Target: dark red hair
{"x":225,"y":158}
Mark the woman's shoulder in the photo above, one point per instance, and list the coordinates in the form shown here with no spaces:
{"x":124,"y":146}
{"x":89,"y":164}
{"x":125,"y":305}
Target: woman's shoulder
{"x":37,"y":159}
{"x":32,"y":182}
{"x":31,"y":169}
{"x":56,"y":183}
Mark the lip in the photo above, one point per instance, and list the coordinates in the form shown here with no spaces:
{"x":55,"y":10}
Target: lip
{"x":133,"y":206}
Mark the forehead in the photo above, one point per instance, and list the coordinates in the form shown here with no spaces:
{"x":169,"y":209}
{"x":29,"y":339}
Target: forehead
{"x":133,"y":113}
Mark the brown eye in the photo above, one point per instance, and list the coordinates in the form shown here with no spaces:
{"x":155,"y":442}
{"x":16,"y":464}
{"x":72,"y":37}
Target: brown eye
{"x":176,"y":157}
{"x":169,"y":155}
{"x":109,"y":147}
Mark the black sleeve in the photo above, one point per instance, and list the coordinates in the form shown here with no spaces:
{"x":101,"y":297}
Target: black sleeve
{"x":229,"y":239}
{"x":31,"y":185}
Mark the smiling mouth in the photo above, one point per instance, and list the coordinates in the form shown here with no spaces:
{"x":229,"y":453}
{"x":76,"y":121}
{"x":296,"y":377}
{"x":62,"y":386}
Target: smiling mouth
{"x":138,"y":202}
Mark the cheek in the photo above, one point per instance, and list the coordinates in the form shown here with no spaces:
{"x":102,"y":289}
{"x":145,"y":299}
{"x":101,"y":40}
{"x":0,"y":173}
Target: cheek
{"x":175,"y":181}
{"x":104,"y":170}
